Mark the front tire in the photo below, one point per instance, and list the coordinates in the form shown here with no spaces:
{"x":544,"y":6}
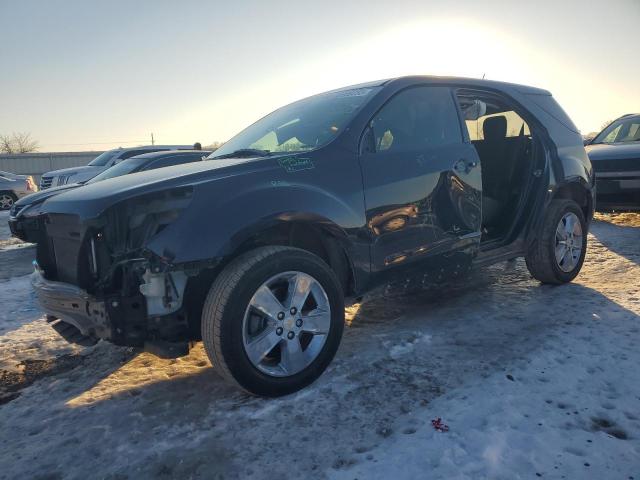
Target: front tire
{"x":273,"y":320}
{"x":558,"y":253}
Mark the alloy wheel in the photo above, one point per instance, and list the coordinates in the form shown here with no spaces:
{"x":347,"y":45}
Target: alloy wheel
{"x":6,"y":201}
{"x":568,"y":247}
{"x":286,"y":324}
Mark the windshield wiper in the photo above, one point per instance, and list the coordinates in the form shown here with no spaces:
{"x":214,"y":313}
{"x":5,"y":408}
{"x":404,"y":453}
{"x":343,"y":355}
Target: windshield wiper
{"x":245,"y":152}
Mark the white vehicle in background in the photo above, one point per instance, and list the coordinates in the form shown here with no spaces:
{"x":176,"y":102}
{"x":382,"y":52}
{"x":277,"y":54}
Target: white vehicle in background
{"x":100,"y":164}
{"x":13,"y":187}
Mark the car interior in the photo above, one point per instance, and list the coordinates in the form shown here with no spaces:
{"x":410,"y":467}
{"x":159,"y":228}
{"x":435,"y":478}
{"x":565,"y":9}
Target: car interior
{"x":504,"y":144}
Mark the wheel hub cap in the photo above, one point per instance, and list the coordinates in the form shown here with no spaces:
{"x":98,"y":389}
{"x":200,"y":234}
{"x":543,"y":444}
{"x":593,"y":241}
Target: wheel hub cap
{"x":286,"y":324}
{"x":6,"y":202}
{"x":568,"y":249}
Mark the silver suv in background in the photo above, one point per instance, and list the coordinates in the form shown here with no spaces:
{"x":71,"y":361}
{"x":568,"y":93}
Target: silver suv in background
{"x":100,"y":164}
{"x":13,"y":187}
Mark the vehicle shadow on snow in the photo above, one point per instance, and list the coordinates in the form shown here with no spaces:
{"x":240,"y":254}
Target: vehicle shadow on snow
{"x":398,"y":354}
{"x":609,"y":234}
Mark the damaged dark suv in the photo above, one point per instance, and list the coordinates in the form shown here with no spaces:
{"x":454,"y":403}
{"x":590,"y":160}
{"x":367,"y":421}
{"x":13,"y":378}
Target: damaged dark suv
{"x":256,"y":250}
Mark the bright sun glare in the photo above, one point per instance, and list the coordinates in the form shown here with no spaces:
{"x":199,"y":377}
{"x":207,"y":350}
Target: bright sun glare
{"x":456,"y":47}
{"x":444,"y":46}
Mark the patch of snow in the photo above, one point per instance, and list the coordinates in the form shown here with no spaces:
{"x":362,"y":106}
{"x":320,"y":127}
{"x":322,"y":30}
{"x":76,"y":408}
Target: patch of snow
{"x":530,"y":379}
{"x":407,"y":346}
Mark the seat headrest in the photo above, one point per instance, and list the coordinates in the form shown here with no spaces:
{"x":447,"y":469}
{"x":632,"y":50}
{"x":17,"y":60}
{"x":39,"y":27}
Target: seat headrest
{"x":495,"y":128}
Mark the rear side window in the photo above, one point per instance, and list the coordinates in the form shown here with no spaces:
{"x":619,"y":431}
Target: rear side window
{"x":515,"y":125}
{"x":104,"y":158}
{"x":415,"y":119}
{"x":133,"y":153}
{"x":173,"y":160}
{"x":549,"y":105}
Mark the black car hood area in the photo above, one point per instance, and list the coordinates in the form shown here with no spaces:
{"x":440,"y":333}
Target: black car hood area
{"x":91,"y":200}
{"x":613,"y":151}
{"x":43,"y":195}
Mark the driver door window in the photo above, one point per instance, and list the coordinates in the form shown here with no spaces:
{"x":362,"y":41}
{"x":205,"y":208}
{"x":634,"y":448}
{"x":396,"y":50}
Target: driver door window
{"x":416,"y":119}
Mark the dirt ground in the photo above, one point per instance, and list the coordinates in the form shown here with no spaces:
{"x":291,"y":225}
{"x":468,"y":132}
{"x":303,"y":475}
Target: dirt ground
{"x":530,"y":380}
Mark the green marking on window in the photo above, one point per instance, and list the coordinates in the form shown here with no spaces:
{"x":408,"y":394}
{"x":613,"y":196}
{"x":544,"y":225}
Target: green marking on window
{"x":295,"y":164}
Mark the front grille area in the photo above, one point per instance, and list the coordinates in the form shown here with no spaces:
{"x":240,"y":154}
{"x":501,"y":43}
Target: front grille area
{"x":63,"y":179}
{"x":45,"y":182}
{"x":65,"y":235}
{"x":616,"y":165}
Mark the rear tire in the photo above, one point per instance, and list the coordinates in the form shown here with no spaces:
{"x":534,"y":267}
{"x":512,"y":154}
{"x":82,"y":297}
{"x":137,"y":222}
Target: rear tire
{"x":296,"y":348}
{"x":558,"y":253}
{"x":7,"y":199}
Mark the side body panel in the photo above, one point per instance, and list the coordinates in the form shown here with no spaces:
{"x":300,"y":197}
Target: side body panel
{"x":236,"y":198}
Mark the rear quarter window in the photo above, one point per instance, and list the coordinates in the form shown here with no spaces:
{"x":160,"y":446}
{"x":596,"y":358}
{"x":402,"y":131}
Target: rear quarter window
{"x":553,"y":108}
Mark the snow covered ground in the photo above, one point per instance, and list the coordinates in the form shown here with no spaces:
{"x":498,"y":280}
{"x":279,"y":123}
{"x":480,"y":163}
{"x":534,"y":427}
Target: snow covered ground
{"x":532,"y":381}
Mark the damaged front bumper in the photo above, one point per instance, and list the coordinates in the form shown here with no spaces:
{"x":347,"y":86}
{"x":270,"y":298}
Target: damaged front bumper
{"x":72,"y":305}
{"x":150,"y":319}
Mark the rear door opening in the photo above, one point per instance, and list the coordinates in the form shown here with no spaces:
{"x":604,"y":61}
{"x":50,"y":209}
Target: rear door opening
{"x":505,"y":145}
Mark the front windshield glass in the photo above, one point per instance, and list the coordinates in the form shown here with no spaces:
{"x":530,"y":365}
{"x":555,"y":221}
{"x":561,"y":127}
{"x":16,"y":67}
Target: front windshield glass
{"x":624,"y":130}
{"x":122,"y":168}
{"x":102,"y":159}
{"x":304,"y":125}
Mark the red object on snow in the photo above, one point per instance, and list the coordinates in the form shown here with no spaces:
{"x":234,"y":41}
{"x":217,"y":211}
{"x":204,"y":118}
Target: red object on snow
{"x":439,"y":426}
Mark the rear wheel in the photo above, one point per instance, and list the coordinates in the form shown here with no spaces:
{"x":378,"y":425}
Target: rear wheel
{"x":558,"y":254}
{"x":7,"y":199}
{"x":273,"y":320}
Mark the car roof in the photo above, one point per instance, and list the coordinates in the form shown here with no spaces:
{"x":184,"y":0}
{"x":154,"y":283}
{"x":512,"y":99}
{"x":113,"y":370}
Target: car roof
{"x":469,"y":82}
{"x":164,"y":147}
{"x":167,"y":153}
{"x":627,"y":115}
{"x":460,"y":81}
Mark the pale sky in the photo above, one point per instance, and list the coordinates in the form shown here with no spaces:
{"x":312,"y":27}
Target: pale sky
{"x":83,"y":74}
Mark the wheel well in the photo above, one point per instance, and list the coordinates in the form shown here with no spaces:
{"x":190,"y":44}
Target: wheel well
{"x":306,"y":236}
{"x":311,"y":238}
{"x":579,"y":194}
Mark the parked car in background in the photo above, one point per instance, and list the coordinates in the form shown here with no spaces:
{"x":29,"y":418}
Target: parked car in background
{"x":615,"y":156}
{"x":412,"y":180}
{"x":13,"y":187}
{"x":23,"y":215}
{"x":99,"y":164}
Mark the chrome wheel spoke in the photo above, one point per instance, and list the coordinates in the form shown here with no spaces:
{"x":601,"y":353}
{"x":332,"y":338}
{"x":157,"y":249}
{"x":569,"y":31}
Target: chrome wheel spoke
{"x":265,"y":302}
{"x":317,"y":322}
{"x":567,"y":259}
{"x":299,"y":290}
{"x":293,"y":358}
{"x":569,"y":224}
{"x":561,"y":250}
{"x":261,"y":346}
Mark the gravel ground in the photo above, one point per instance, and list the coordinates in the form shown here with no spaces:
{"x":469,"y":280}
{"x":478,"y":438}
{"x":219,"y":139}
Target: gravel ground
{"x":531,"y":381}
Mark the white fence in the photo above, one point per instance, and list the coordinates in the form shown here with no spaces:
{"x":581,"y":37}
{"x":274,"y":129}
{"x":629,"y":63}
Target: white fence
{"x":38,"y":163}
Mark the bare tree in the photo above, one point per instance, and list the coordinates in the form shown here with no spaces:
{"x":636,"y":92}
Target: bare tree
{"x":5,"y":144}
{"x":213,"y":145}
{"x":17,"y":143}
{"x":605,"y":124}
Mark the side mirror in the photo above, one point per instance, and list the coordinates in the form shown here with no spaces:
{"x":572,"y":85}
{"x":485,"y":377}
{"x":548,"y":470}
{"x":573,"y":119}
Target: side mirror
{"x":587,"y":141}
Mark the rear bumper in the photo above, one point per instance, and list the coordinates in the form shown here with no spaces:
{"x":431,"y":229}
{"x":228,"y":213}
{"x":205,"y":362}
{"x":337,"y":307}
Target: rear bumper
{"x":73,"y":305}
